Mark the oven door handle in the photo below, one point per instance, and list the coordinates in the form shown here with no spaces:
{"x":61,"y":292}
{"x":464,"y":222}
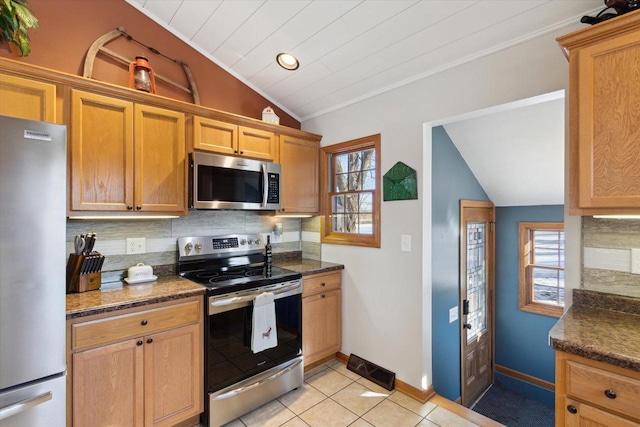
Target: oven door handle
{"x":251,"y":297}
{"x":258,"y":383}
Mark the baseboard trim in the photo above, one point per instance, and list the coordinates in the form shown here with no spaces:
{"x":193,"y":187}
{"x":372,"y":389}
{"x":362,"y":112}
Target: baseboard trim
{"x":418,"y":394}
{"x":525,"y":377}
{"x":464,"y":412}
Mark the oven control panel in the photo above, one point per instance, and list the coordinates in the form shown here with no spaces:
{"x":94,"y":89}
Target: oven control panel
{"x":211,"y":246}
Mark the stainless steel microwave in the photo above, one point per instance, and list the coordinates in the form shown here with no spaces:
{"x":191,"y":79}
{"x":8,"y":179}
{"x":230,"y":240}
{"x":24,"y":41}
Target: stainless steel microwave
{"x":225,"y":182}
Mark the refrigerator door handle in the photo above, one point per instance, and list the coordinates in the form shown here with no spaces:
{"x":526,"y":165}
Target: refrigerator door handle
{"x":24,"y":405}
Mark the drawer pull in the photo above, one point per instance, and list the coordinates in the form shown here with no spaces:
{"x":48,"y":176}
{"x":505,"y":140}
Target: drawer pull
{"x":144,"y":322}
{"x":572,"y":409}
{"x":610,"y":394}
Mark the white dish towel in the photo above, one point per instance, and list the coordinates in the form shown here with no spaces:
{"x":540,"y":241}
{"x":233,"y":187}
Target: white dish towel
{"x":263,"y":328}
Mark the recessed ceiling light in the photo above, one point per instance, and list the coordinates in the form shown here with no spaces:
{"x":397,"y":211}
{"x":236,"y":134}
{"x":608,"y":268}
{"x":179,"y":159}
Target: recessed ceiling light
{"x":287,"y":61}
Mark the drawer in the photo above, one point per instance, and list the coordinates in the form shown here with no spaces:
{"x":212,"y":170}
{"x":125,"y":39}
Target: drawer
{"x":603,"y":388}
{"x":324,"y":282}
{"x":118,"y":328}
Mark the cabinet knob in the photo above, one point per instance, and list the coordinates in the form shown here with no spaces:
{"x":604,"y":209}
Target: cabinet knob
{"x":323,"y":284}
{"x":139,"y":342}
{"x":138,"y":208}
{"x":144,"y":322}
{"x":149,"y":340}
{"x":572,"y":409}
{"x":610,"y":394}
{"x":235,"y":151}
{"x":129,"y":207}
{"x":323,"y":296}
{"x":242,"y":152}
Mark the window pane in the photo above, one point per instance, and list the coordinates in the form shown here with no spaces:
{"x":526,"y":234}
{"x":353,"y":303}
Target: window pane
{"x":351,"y":203}
{"x":366,"y":202}
{"x":337,"y":203}
{"x":340,"y":182}
{"x":337,"y":222}
{"x":341,"y":163}
{"x":369,"y":160}
{"x":355,"y":161}
{"x":355,"y":180}
{"x":365,"y":224}
{"x":548,"y":286}
{"x":369,"y":180}
{"x":548,"y":248}
{"x":350,"y":223}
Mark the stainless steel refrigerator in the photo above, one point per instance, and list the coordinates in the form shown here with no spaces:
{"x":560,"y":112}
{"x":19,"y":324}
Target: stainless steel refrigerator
{"x":32,"y":273}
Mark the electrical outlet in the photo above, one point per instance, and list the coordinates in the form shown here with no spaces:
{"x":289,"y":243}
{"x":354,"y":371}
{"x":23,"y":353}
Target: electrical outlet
{"x":136,"y":245}
{"x":635,"y":261}
{"x":453,"y":314}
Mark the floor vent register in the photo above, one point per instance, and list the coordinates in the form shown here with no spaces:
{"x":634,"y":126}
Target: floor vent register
{"x":371,"y":371}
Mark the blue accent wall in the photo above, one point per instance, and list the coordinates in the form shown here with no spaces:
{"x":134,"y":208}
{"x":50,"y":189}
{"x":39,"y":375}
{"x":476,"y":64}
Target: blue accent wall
{"x":452,"y":180}
{"x":522,"y":341}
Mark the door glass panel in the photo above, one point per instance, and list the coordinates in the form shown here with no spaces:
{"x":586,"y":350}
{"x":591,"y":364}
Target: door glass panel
{"x":476,"y":279}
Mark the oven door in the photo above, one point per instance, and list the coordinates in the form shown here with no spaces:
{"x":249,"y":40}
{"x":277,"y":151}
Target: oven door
{"x":230,"y":359}
{"x":224,"y":182}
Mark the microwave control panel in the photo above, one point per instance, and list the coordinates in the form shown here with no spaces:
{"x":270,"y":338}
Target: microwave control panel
{"x":273,"y":193}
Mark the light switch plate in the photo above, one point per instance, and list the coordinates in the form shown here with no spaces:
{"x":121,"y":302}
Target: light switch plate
{"x":635,"y":261}
{"x":405,"y":243}
{"x":453,"y":314}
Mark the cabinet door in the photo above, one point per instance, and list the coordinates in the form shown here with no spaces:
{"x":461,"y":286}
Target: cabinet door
{"x":215,"y":136}
{"x":160,"y":166}
{"x":577,"y":414}
{"x":300,"y":161}
{"x":108,"y":385}
{"x":609,"y":113}
{"x":321,"y":325}
{"x":101,"y":165}
{"x":173,"y":376}
{"x":27,"y":99}
{"x":257,"y":143}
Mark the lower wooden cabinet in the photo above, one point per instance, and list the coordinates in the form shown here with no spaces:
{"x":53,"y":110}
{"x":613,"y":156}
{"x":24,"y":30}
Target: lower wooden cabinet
{"x":321,"y":316}
{"x":592,"y":393}
{"x":143,"y":367}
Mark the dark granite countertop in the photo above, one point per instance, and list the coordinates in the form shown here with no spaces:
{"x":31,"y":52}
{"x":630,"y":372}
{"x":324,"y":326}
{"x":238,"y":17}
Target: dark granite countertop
{"x":601,"y":327}
{"x":119,"y":296}
{"x":308,"y":266}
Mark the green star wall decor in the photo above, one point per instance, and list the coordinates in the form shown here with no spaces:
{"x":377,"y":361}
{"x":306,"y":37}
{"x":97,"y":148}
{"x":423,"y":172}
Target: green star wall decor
{"x":400,"y":183}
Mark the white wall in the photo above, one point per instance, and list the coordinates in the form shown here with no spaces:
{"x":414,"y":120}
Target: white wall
{"x":386,"y":296}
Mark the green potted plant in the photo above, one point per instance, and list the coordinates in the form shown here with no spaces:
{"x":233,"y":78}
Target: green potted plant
{"x":15,"y":21}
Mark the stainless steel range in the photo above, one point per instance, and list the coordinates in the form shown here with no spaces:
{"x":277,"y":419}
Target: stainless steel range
{"x":233,"y":270}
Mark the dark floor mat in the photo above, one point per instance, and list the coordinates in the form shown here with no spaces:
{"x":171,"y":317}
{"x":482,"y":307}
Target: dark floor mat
{"x":514,"y":410}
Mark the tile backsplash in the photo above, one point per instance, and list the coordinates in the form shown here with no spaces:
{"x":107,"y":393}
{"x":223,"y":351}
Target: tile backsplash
{"x":161,"y":235}
{"x":606,"y":256}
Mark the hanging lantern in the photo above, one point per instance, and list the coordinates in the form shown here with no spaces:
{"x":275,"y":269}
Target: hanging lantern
{"x":141,"y":76}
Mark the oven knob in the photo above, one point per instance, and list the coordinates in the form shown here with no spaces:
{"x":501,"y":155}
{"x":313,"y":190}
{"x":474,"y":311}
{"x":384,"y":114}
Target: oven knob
{"x":257,"y":241}
{"x":250,"y":241}
{"x":243,"y":242}
{"x":198,"y":246}
{"x":188,"y":247}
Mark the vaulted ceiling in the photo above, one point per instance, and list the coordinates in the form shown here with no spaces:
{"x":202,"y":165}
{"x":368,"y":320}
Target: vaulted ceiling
{"x":350,"y":50}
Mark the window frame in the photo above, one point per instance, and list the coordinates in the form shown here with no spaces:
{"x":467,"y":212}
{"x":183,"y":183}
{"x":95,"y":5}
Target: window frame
{"x":371,"y":142}
{"x":525,"y":232}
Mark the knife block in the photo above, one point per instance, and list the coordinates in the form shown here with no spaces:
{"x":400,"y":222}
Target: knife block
{"x":77,"y":281}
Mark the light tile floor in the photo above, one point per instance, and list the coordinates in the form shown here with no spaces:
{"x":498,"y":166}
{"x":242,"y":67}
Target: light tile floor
{"x":333,"y":396}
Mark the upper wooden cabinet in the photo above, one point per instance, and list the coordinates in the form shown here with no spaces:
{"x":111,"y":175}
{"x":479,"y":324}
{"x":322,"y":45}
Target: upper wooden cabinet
{"x":27,"y":99}
{"x":227,"y":138}
{"x":604,"y":102}
{"x":125,"y":157}
{"x":300,"y":159}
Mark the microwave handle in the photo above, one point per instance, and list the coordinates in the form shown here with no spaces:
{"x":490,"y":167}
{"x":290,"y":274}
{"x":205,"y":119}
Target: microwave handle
{"x":265,"y":180}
